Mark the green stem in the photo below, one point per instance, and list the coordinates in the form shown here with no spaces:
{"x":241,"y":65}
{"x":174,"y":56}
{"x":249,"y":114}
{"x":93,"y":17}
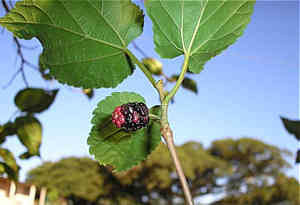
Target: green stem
{"x":165,"y":127}
{"x":142,"y":67}
{"x":154,"y":117}
{"x":180,"y":79}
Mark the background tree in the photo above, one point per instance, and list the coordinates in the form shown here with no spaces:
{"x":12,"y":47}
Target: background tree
{"x":253,"y":162}
{"x":284,"y":191}
{"x":155,"y":182}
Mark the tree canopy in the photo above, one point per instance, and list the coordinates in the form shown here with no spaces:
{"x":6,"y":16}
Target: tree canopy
{"x":244,"y":170}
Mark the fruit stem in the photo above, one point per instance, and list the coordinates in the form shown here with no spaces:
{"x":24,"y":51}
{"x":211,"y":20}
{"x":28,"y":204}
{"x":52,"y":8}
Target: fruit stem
{"x":142,"y":67}
{"x":154,"y":117}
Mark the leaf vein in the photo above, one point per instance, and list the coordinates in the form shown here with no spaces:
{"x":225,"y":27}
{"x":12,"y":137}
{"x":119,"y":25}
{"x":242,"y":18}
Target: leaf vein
{"x":226,"y":20}
{"x":87,"y":60}
{"x":70,"y":31}
{"x":110,"y":25}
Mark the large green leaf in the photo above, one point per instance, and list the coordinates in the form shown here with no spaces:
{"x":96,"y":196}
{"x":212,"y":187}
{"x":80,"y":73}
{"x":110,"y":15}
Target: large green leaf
{"x":8,"y":164}
{"x":29,"y":131}
{"x":84,"y":41}
{"x":118,"y":148}
{"x":34,"y":99}
{"x":200,"y":29}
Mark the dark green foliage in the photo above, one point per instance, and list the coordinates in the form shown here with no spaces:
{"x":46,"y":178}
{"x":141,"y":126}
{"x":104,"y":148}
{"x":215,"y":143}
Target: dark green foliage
{"x":293,"y":127}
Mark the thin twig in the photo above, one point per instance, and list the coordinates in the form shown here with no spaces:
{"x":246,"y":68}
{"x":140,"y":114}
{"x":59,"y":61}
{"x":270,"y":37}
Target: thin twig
{"x":139,"y":49}
{"x":12,"y":79}
{"x":11,"y":4}
{"x":19,"y":53}
{"x":23,"y":61}
{"x":5,"y":5}
{"x":31,"y":65}
{"x":13,"y":115}
{"x":29,"y":47}
{"x":168,"y":137}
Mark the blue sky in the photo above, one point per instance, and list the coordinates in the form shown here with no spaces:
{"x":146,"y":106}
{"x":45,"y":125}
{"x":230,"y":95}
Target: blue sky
{"x":241,"y":93}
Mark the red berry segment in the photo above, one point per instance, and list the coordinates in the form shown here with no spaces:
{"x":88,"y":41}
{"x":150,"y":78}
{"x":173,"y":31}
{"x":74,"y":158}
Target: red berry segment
{"x":117,"y":117}
{"x":131,"y":116}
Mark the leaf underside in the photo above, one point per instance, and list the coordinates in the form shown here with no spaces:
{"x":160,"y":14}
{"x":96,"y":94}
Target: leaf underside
{"x":200,"y":29}
{"x":84,"y":41}
{"x":118,"y":148}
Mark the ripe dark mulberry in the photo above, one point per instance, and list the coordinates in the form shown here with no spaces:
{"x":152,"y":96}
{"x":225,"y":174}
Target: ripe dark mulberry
{"x":131,"y":116}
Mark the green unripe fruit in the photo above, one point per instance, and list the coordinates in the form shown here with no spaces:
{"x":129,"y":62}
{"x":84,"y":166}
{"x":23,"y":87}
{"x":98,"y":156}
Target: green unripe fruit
{"x":153,"y":65}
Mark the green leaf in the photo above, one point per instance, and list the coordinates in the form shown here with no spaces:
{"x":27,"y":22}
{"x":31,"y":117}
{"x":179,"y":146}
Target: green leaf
{"x":84,"y":41}
{"x":8,"y":163}
{"x":187,"y":83}
{"x":4,"y":168}
{"x":34,"y":99}
{"x":292,"y":126}
{"x":7,"y":129}
{"x":190,"y":84}
{"x":200,"y":29}
{"x":29,"y":131}
{"x":112,"y":146}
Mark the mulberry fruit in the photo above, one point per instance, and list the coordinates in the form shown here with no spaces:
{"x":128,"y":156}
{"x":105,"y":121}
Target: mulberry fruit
{"x":131,"y":116}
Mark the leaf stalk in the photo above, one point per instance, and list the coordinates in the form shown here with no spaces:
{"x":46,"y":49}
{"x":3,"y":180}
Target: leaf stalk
{"x":143,"y":68}
{"x":180,"y":79}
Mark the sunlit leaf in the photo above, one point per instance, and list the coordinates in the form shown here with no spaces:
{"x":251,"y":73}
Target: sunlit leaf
{"x":200,"y":29}
{"x":8,"y":163}
{"x":121,"y":149}
{"x":84,"y":41}
{"x":29,"y":131}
